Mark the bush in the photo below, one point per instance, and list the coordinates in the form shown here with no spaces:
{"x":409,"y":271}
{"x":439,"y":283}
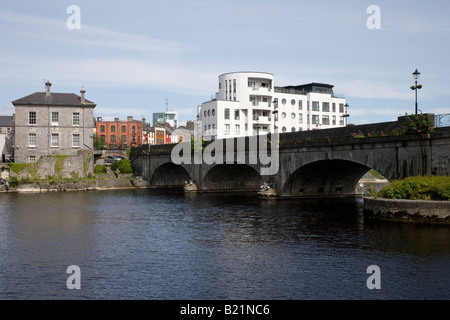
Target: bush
{"x":418,"y":188}
{"x":419,"y":124}
{"x":122,"y":166}
{"x":13,"y":182}
{"x":99,"y":169}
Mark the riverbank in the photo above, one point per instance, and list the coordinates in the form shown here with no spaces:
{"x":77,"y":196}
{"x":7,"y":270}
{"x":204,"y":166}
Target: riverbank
{"x":75,"y":185}
{"x":414,"y":211}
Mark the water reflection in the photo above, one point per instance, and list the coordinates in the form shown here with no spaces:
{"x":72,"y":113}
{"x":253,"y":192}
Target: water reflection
{"x":149,"y":244}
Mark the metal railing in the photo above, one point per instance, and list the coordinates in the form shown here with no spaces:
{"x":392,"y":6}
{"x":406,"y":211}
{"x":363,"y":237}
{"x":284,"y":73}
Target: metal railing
{"x":442,"y":120}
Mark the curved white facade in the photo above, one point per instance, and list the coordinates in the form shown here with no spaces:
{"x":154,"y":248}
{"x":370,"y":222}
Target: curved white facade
{"x":248,"y":103}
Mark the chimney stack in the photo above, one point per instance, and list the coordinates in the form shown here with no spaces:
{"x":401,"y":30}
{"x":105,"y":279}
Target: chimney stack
{"x":129,"y":118}
{"x":47,"y":85}
{"x":82,"y":95}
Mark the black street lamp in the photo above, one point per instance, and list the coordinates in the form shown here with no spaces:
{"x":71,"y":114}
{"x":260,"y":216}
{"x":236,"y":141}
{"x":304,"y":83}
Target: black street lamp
{"x":416,"y":75}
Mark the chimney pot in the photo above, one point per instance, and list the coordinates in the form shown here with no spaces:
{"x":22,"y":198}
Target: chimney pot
{"x":83,"y":100}
{"x":47,"y":85}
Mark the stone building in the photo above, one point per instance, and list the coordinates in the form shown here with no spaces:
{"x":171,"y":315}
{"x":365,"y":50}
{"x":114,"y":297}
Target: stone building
{"x":6,"y":138}
{"x":119,"y":134}
{"x":48,"y":123}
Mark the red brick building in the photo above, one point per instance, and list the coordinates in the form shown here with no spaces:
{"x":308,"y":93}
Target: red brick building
{"x":120,"y":134}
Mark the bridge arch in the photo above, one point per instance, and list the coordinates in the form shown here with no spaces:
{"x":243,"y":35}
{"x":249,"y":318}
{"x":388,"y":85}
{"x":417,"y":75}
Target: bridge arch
{"x":170,"y":175}
{"x":232,"y":177}
{"x":325,"y":177}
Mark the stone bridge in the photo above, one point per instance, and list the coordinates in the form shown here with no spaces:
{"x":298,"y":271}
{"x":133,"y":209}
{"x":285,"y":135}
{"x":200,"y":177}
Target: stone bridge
{"x":327,"y":162}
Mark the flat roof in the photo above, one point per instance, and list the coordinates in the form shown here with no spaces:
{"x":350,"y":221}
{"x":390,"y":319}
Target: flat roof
{"x":246,"y":72}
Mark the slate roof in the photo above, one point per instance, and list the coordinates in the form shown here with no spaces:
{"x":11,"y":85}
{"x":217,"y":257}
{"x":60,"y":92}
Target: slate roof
{"x":6,"y":121}
{"x":58,"y":99}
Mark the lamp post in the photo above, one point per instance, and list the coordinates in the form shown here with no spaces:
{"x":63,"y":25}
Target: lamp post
{"x":346,"y":115}
{"x":416,"y":75}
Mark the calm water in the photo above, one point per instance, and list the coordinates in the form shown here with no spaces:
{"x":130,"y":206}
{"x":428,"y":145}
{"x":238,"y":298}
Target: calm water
{"x":143,"y":244}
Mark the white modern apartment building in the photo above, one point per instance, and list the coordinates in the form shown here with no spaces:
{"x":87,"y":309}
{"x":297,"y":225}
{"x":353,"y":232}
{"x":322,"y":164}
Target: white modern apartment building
{"x":249,"y":103}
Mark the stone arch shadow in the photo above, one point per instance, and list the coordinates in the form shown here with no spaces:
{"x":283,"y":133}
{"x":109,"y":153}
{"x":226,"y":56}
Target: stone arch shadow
{"x":169,"y":175}
{"x":232,"y":177}
{"x":325,"y":178}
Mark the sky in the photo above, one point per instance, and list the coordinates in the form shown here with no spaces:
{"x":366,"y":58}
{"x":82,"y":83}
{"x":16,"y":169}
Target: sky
{"x":130,"y":56}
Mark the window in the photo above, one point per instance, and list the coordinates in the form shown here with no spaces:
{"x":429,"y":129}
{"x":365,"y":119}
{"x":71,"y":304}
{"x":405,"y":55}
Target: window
{"x":32,"y":117}
{"x":300,"y":104}
{"x":123,"y":139}
{"x":213,"y":112}
{"x":341,"y":121}
{"x":293,"y":115}
{"x":315,"y":106}
{"x":133,"y":129}
{"x":334,"y":107}
{"x":55,"y":118}
{"x":32,"y":159}
{"x":75,"y":140}
{"x":283,"y":101}
{"x":76,"y":119}
{"x":124,"y":129}
{"x":283,"y":115}
{"x":237,"y":129}
{"x":113,"y":128}
{"x":204,"y":113}
{"x":102,"y":128}
{"x":227,"y":129}
{"x":209,"y":113}
{"x":55,"y":140}
{"x":227,"y":114}
{"x":283,"y":129}
{"x":113,"y":138}
{"x":325,"y":120}
{"x":334,"y":120}
{"x":300,"y":118}
{"x":341,"y":107}
{"x":32,"y":140}
{"x":236,"y":115}
{"x":325,"y":106}
{"x":315,"y":119}
{"x":293,"y":102}
{"x":293,"y":129}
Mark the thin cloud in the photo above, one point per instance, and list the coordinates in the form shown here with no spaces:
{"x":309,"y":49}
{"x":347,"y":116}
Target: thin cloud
{"x":88,"y":35}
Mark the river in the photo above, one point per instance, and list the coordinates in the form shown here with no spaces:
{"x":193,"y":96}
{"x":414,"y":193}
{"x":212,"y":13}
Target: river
{"x":149,"y":244}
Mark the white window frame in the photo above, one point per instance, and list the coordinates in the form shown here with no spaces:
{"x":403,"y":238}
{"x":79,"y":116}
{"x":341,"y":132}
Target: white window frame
{"x":76,"y":142}
{"x":55,"y":118}
{"x":55,"y":140}
{"x":32,"y":140}
{"x":75,"y":118}
{"x":32,"y":120}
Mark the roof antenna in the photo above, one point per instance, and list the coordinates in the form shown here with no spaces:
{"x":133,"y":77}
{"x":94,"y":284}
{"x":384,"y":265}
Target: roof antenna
{"x":167,"y":105}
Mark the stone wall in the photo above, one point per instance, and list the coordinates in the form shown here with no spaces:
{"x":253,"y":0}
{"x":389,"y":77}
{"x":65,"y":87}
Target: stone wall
{"x":407,"y":210}
{"x":58,"y":167}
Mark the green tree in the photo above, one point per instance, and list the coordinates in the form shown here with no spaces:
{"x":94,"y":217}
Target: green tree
{"x":99,"y":142}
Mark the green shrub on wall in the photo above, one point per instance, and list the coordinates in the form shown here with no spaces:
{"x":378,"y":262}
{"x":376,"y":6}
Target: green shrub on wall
{"x":418,"y":188}
{"x":122,"y":166}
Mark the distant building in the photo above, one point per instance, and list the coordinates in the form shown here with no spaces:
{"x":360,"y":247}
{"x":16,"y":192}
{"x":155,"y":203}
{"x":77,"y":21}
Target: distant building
{"x":169,"y":117}
{"x":249,"y":103}
{"x":119,"y":134}
{"x":48,"y":123}
{"x":6,"y":138}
